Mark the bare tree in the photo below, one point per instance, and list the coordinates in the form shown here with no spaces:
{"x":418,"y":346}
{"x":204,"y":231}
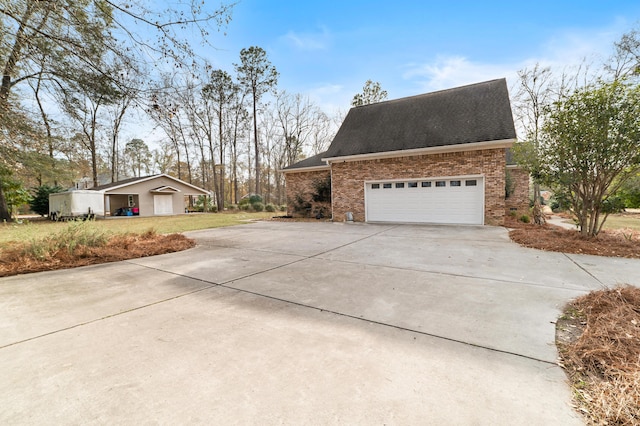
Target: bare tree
{"x":219,"y":95}
{"x":238,"y":128}
{"x":625,"y":62}
{"x":534,"y":93}
{"x":55,"y":40}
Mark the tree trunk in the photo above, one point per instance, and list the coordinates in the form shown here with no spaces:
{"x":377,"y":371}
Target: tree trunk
{"x":5,"y":88}
{"x":538,"y":215}
{"x":256,"y":146}
{"x":5,"y":215}
{"x":220,"y":199}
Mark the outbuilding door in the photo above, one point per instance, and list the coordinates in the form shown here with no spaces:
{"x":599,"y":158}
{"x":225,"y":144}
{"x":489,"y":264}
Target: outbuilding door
{"x":451,"y":200}
{"x":162,"y":204}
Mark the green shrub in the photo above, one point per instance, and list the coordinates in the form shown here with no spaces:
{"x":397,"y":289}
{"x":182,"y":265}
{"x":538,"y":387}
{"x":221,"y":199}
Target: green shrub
{"x":322,"y":190}
{"x":39,"y":202}
{"x":244,"y":207}
{"x":255,"y":198}
{"x":509,"y":184}
{"x":300,"y":205}
{"x":630,"y":192}
{"x":524,"y":218}
{"x":283,"y":208}
{"x":257,"y":206}
{"x":613,"y":204}
{"x":203,"y":204}
{"x":270,"y":208}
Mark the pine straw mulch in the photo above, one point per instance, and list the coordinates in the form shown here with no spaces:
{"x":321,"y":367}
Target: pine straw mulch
{"x":13,"y":261}
{"x":611,"y":243}
{"x":598,"y":339}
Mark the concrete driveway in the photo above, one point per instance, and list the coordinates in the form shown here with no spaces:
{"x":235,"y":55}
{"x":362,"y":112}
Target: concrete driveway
{"x":300,"y":323}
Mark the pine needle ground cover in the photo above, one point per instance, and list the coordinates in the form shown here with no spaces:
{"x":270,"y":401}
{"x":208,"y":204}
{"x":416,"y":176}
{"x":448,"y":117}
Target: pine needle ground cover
{"x":598,"y":339}
{"x":81,"y":244}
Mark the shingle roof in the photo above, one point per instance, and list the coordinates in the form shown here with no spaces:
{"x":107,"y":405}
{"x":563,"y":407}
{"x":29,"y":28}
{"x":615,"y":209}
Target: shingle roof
{"x":127,"y":182}
{"x":315,"y":161}
{"x":475,"y":113}
{"x":121,"y":182}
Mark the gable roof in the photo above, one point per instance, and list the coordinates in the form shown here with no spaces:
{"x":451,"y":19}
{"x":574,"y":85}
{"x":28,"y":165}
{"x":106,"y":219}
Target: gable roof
{"x":164,"y":189}
{"x":309,"y":164}
{"x":469,"y":114}
{"x":131,"y":181}
{"x":120,"y":183}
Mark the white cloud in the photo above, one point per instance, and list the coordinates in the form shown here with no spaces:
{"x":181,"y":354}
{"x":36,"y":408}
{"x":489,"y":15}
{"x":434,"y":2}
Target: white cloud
{"x":331,"y":98}
{"x":566,"y":51}
{"x":309,"y":41}
{"x":453,"y":71}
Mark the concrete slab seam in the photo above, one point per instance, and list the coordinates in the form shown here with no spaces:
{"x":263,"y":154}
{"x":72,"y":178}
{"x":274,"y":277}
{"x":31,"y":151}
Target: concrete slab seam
{"x":71,"y":327}
{"x":225,"y":284}
{"x":396,"y":327}
{"x":585,"y":270}
{"x":313,"y":255}
{"x":449,"y":274}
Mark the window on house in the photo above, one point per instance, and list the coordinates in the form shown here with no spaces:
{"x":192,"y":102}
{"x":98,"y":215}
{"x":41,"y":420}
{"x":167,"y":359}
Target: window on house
{"x":470,"y":182}
{"x":426,"y":184}
{"x":386,"y":185}
{"x":399,"y":184}
{"x":375,"y":186}
{"x":413,"y":184}
{"x":454,"y":183}
{"x":441,"y":183}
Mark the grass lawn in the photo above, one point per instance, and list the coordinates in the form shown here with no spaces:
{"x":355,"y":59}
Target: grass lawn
{"x":617,"y":221}
{"x":36,"y":229}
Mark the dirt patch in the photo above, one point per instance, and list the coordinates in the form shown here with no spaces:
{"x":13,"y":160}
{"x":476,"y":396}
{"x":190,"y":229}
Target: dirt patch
{"x":598,"y":338}
{"x":13,"y":261}
{"x":616,"y":243}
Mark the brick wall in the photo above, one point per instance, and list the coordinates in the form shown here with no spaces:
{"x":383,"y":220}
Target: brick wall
{"x":519,"y":198}
{"x":348,"y":178}
{"x":303,"y":184}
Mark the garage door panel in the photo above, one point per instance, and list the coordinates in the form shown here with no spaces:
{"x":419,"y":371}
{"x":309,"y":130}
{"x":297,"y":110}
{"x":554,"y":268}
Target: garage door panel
{"x":162,"y":204}
{"x":435,"y":204}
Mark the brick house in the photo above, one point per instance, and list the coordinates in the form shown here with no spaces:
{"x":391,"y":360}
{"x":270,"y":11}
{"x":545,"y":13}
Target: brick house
{"x":439,"y":157}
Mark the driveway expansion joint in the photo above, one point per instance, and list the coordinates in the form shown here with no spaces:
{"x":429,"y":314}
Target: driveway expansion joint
{"x":137,"y":308}
{"x":585,"y":270}
{"x":384,"y":324}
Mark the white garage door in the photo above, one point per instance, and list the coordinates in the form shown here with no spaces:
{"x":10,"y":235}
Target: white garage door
{"x":162,"y":204}
{"x":447,"y":200}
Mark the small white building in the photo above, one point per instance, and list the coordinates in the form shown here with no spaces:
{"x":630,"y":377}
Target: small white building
{"x":148,"y":196}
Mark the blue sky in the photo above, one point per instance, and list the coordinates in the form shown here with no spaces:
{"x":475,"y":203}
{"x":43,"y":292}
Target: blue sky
{"x":328,"y":49}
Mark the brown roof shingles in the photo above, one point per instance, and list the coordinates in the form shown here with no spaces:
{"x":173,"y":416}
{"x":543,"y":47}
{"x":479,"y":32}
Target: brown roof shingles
{"x":475,"y":113}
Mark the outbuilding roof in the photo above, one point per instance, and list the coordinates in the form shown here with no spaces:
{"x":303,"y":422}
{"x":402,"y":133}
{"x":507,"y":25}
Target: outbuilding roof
{"x":475,"y":113}
{"x":120,"y":183}
{"x":132,"y":181}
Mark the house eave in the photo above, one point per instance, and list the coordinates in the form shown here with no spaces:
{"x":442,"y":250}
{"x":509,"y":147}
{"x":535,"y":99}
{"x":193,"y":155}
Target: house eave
{"x":305,"y":169}
{"x":474,"y":146}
